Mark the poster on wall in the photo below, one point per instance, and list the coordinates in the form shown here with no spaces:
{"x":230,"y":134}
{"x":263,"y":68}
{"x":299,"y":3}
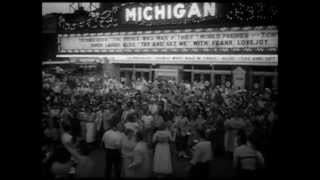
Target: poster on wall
{"x":239,"y":78}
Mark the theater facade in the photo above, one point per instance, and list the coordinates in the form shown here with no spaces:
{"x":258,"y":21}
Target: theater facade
{"x":178,"y":41}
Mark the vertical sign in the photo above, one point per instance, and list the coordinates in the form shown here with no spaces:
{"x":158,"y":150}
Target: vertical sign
{"x":239,"y":78}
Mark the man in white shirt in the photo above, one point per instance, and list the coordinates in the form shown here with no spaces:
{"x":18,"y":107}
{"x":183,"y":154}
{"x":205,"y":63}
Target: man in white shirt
{"x":202,"y":157}
{"x":112,"y":144}
{"x":147,"y":119}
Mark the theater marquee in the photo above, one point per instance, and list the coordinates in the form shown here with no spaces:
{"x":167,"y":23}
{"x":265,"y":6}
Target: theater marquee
{"x":209,"y":40}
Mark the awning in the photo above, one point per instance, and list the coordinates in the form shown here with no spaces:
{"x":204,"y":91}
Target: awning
{"x":56,"y":62}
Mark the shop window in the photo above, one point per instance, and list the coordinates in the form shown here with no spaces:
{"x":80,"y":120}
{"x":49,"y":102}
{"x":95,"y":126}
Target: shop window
{"x":142,"y":66}
{"x":187,"y":67}
{"x":145,"y":75}
{"x":138,"y":75}
{"x":264,"y":68}
{"x":223,"y":67}
{"x":202,"y":67}
{"x":187,"y":76}
{"x":228,"y":78}
{"x":196,"y":77}
{"x":268,"y":81}
{"x":155,"y":66}
{"x":207,"y":77}
{"x":256,"y":79}
{"x":122,"y":74}
{"x":126,"y":66}
{"x":218,"y":79}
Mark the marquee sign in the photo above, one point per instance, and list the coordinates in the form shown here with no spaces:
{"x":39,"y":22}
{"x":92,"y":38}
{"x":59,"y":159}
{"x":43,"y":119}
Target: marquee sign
{"x":152,"y":13}
{"x":208,"y":59}
{"x":263,"y":60}
{"x":223,"y":40}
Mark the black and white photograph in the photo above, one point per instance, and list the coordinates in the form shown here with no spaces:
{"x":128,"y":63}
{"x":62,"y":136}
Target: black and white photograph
{"x":158,"y":89}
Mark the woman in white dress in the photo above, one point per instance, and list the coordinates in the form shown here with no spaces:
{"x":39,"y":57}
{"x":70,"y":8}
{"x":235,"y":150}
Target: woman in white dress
{"x":162,"y":164}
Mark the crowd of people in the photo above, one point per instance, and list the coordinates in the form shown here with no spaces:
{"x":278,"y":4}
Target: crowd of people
{"x":143,"y":125}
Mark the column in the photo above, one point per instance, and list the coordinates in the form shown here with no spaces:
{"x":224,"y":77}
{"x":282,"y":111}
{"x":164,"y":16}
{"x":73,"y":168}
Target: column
{"x":212,"y":76}
{"x":275,"y":79}
{"x":104,"y":64}
{"x":192,"y":74}
{"x":250,"y":78}
{"x":133,"y":73}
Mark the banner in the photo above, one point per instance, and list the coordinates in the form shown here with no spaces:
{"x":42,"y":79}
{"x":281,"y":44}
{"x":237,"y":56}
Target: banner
{"x":175,"y":41}
{"x":218,"y":59}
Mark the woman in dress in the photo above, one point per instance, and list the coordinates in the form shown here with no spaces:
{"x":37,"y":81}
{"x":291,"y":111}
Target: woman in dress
{"x":141,"y":164}
{"x":128,"y":144}
{"x":162,"y":164}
